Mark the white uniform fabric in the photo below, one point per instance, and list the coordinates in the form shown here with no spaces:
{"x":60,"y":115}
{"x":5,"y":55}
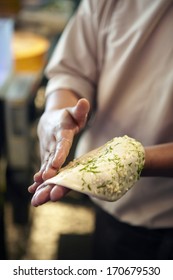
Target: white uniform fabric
{"x":120,"y":54}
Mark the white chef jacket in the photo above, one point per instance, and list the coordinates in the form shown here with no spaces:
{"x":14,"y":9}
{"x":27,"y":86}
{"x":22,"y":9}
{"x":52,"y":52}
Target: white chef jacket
{"x":119,"y":55}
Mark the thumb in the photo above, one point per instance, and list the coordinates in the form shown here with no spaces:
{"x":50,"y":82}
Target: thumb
{"x":80,"y":112}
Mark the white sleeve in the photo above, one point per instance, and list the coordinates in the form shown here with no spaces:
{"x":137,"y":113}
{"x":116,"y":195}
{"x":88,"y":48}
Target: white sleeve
{"x":73,"y":64}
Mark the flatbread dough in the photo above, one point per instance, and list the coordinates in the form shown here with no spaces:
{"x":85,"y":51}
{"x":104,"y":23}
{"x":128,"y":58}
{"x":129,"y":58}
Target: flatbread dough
{"x":107,"y":172}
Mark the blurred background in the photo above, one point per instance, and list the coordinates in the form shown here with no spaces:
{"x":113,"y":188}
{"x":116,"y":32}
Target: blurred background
{"x":29,"y":31}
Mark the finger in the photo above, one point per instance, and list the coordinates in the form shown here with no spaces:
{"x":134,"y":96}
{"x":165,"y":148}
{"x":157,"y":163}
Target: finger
{"x":58,"y":192}
{"x":80,"y":112}
{"x":38,"y":176}
{"x":41,"y":196}
{"x":62,"y":151}
{"x":54,"y":163}
{"x":45,"y":171}
{"x":33,"y":187}
{"x":57,"y":158}
{"x":49,"y":171}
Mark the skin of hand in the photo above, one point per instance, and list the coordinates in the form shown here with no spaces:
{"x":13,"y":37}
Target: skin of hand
{"x":65,"y":115}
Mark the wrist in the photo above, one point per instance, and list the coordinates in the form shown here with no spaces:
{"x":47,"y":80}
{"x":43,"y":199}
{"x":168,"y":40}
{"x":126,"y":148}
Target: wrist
{"x":60,"y":99}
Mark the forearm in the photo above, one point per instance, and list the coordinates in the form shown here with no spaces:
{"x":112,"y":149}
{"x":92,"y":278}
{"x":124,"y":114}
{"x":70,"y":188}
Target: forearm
{"x":158,"y":161}
{"x":158,"y":158}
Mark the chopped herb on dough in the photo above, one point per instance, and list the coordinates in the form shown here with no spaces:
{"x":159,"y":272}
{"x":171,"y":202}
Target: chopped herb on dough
{"x":107,"y":172}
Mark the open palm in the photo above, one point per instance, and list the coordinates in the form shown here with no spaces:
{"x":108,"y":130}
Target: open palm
{"x":56,"y":131}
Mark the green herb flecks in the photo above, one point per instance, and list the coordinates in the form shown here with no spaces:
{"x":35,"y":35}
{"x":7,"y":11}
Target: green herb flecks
{"x":90,"y":166}
{"x":101,"y":186}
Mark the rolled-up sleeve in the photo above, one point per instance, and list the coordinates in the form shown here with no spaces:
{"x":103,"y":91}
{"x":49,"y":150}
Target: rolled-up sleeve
{"x":73,"y":64}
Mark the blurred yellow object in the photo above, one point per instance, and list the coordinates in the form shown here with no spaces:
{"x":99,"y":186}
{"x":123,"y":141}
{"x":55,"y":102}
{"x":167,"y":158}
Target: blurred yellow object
{"x":29,"y":51}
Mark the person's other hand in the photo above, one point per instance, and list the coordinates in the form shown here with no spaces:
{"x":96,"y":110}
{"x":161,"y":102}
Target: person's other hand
{"x":56,"y":130}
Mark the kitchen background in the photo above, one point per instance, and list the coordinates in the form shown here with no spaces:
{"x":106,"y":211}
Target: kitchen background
{"x":29,"y":30}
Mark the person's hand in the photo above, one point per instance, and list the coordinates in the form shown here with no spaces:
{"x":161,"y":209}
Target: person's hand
{"x":56,"y":130}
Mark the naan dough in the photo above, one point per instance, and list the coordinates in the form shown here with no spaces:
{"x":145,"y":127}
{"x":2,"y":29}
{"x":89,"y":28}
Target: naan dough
{"x":107,"y":172}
